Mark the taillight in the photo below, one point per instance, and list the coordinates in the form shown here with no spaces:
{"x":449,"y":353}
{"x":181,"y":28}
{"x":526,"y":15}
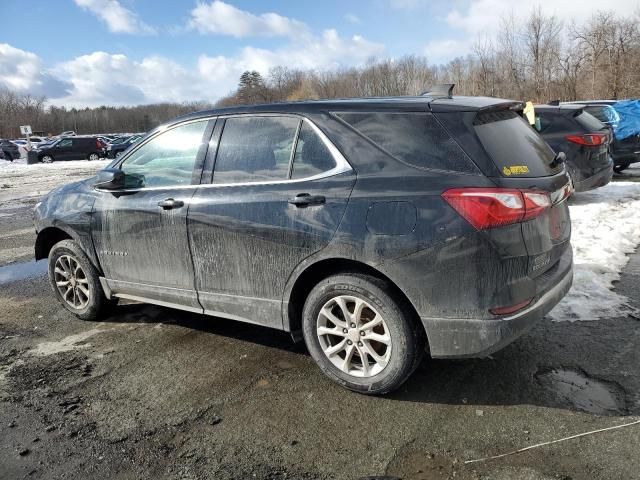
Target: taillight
{"x":494,"y":207}
{"x":589,"y":139}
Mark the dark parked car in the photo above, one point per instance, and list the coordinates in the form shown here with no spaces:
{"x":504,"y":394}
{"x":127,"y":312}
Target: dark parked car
{"x":71,"y":148}
{"x":117,"y":148}
{"x":624,"y":152}
{"x":367,"y":227}
{"x":11,"y":150}
{"x":583,"y":138}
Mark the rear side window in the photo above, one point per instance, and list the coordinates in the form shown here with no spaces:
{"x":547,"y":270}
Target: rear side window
{"x":513,"y":145}
{"x":312,"y":156}
{"x":255,"y":149}
{"x":413,"y":138}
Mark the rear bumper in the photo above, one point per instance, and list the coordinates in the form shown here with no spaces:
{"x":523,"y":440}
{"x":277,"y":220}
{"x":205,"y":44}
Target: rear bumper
{"x":599,"y":179}
{"x":463,"y":337}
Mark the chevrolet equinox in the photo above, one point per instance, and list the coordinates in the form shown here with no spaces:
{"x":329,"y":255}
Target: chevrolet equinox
{"x":375,"y":229}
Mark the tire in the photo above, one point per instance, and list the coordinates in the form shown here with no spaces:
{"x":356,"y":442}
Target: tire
{"x":46,"y":159}
{"x":400,"y":356}
{"x":87,"y":295}
{"x":8,"y":156}
{"x":621,"y":167}
{"x":93,"y":157}
{"x":118,"y":154}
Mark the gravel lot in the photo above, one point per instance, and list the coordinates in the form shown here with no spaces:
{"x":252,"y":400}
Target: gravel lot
{"x":156,"y":393}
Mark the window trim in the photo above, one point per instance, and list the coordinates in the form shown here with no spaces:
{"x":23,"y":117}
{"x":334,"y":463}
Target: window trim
{"x":342,"y":165}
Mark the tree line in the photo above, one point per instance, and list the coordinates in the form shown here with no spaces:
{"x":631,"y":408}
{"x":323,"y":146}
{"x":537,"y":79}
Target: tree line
{"x":536,"y":58}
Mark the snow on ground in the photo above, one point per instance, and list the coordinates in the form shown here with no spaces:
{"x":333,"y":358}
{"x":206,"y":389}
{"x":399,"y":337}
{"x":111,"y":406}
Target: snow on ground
{"x":606,"y":227}
{"x":605,"y":222}
{"x":20,"y":182}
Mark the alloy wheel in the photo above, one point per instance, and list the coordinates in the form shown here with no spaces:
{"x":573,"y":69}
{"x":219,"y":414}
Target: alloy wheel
{"x":93,"y":157}
{"x":47,"y":159}
{"x":354,"y":336}
{"x":72,"y":282}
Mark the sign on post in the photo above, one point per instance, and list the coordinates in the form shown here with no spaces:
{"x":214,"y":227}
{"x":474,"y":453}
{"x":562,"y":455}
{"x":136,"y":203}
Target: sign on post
{"x":25,"y":129}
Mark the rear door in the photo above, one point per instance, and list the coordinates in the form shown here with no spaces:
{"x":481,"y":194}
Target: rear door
{"x":277,"y":195}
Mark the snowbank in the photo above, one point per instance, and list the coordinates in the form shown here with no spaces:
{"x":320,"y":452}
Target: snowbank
{"x":606,"y":227}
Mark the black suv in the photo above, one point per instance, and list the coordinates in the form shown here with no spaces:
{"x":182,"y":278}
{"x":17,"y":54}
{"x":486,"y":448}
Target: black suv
{"x":10,"y":150}
{"x":584,"y":140}
{"x":624,"y":152}
{"x":71,"y":148}
{"x":369,"y":227}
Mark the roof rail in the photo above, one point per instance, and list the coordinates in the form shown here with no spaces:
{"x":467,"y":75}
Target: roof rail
{"x":443,"y":90}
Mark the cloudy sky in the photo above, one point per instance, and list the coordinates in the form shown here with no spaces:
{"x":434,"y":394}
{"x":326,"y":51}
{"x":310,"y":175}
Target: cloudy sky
{"x":123,"y":52}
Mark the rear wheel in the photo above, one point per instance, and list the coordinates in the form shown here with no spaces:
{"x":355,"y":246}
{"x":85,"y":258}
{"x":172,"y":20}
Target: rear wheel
{"x":118,"y":154}
{"x":93,"y":157}
{"x":75,"y":281}
{"x":360,"y":335}
{"x":46,"y":159}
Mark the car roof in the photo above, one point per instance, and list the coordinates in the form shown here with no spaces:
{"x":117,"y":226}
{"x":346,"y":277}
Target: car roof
{"x":408,"y":103}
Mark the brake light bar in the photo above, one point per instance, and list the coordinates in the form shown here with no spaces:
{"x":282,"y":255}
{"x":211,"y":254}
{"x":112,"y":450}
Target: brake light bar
{"x":495,"y":207}
{"x":589,"y":139}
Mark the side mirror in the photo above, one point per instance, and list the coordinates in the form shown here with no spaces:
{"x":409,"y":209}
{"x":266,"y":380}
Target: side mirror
{"x":110,"y":179}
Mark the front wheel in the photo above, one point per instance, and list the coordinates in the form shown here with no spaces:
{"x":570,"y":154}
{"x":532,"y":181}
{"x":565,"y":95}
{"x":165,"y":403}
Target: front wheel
{"x":46,"y":159}
{"x":75,"y":281}
{"x":360,"y":335}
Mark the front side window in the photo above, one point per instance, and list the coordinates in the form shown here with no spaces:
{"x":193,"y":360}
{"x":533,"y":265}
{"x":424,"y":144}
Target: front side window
{"x":64,"y":143}
{"x":255,"y":149}
{"x":168,"y":159}
{"x":312,"y":156}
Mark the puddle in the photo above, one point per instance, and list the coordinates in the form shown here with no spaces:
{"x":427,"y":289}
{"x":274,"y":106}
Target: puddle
{"x":577,"y":389}
{"x":72,"y":342}
{"x":21,"y":271}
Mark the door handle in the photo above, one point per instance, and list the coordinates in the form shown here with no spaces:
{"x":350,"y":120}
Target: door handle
{"x":169,"y":203}
{"x":306,"y":199}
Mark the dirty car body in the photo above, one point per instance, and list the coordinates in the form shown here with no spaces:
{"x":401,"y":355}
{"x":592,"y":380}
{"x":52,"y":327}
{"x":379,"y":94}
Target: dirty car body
{"x":469,"y":233}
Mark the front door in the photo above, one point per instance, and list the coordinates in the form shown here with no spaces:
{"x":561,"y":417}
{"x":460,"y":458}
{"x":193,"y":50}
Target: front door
{"x":63,"y":149}
{"x":278,"y":193}
{"x":140,"y":233}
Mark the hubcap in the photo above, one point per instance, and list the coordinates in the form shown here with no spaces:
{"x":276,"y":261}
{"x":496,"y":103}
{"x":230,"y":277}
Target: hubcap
{"x":354,"y":336}
{"x":46,"y":159}
{"x":93,"y":156}
{"x":71,"y":282}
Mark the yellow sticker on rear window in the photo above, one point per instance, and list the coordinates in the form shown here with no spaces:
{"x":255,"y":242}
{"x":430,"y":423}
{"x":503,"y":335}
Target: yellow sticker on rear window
{"x":515,"y":170}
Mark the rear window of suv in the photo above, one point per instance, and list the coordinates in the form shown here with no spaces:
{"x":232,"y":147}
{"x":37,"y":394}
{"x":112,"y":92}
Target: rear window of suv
{"x":416,"y":139}
{"x":513,"y":145}
{"x":590,"y":122}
